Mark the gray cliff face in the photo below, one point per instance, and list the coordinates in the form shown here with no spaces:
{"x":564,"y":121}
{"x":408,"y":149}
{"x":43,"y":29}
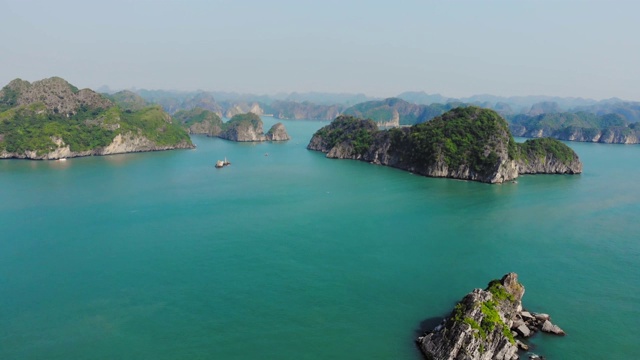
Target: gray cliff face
{"x":243,"y":108}
{"x":548,"y":165}
{"x":204,"y":128}
{"x":277,"y":133}
{"x":243,"y":132}
{"x":478,"y":326}
{"x":382,"y":153}
{"x":248,"y":128}
{"x":121,"y":144}
{"x":57,"y":95}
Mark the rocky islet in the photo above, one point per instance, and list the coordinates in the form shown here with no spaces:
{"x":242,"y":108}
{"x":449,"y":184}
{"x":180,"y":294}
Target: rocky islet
{"x":487,"y":324}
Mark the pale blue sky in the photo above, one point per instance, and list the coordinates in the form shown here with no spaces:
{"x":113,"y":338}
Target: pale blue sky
{"x":380,"y":48}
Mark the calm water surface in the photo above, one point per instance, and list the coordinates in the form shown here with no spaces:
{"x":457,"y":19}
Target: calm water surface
{"x":295,"y":256}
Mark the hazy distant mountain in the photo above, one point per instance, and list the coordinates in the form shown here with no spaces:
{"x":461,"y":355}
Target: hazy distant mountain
{"x":421,"y":97}
{"x":394,"y":111}
{"x":580,"y":126}
{"x":515,"y":104}
{"x":128,"y":100}
{"x":173,"y":101}
{"x":545,"y":107}
{"x":322,"y":98}
{"x":303,"y":110}
{"x":629,"y":110}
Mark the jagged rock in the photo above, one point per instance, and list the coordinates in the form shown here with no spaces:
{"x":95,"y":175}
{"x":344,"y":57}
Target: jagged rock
{"x":243,"y":108}
{"x":56,"y":94}
{"x":248,"y":127}
{"x":527,"y":315}
{"x":548,"y":327}
{"x":536,"y":357}
{"x":522,"y":346}
{"x":542,"y":317}
{"x":523,"y":330}
{"x":478,"y":326}
{"x":277,"y":133}
{"x":517,"y":323}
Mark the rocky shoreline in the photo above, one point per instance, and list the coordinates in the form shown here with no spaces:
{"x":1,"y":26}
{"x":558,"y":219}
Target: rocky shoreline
{"x":128,"y":143}
{"x":487,"y":324}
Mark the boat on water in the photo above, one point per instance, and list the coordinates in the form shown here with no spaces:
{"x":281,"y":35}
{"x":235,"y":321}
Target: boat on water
{"x":222,"y":163}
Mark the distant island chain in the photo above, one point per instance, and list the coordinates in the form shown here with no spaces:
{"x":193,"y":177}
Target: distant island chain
{"x":52,"y":119}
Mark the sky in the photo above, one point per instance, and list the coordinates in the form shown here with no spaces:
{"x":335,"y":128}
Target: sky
{"x":379,"y":48}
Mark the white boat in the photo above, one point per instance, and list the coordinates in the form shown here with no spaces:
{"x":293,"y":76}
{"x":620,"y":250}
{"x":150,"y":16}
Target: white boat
{"x":222,"y":163}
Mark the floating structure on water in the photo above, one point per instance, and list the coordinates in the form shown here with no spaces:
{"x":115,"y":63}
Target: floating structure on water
{"x":222,"y":163}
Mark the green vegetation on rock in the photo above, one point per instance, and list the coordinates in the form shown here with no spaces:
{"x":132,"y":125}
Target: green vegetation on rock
{"x":463,"y":136}
{"x":499,"y":292}
{"x":52,"y":113}
{"x":186,"y":118}
{"x":466,"y":143}
{"x":31,"y":128}
{"x":544,"y":147}
{"x":359,"y":133}
{"x":240,"y":119}
{"x":154,"y":124}
{"x":128,"y":100}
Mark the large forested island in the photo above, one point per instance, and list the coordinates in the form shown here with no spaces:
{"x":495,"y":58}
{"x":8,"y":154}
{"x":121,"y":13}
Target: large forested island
{"x":468,"y":143}
{"x":52,"y":119}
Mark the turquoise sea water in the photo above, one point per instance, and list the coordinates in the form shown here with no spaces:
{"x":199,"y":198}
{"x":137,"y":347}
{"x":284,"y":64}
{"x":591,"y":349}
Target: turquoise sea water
{"x":295,"y":256}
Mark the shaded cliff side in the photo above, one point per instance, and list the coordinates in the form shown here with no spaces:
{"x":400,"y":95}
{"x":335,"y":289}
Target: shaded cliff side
{"x":465,"y":143}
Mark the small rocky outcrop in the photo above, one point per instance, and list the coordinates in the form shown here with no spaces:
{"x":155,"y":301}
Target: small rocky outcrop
{"x":486,"y":324}
{"x":277,"y":133}
{"x":465,"y":143}
{"x":249,"y":128}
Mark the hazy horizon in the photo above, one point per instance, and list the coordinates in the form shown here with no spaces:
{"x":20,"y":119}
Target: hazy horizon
{"x":456,"y":49}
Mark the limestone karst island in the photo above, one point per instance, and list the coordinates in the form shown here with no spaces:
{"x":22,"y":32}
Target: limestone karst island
{"x":464,"y":143}
{"x":52,"y":119}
